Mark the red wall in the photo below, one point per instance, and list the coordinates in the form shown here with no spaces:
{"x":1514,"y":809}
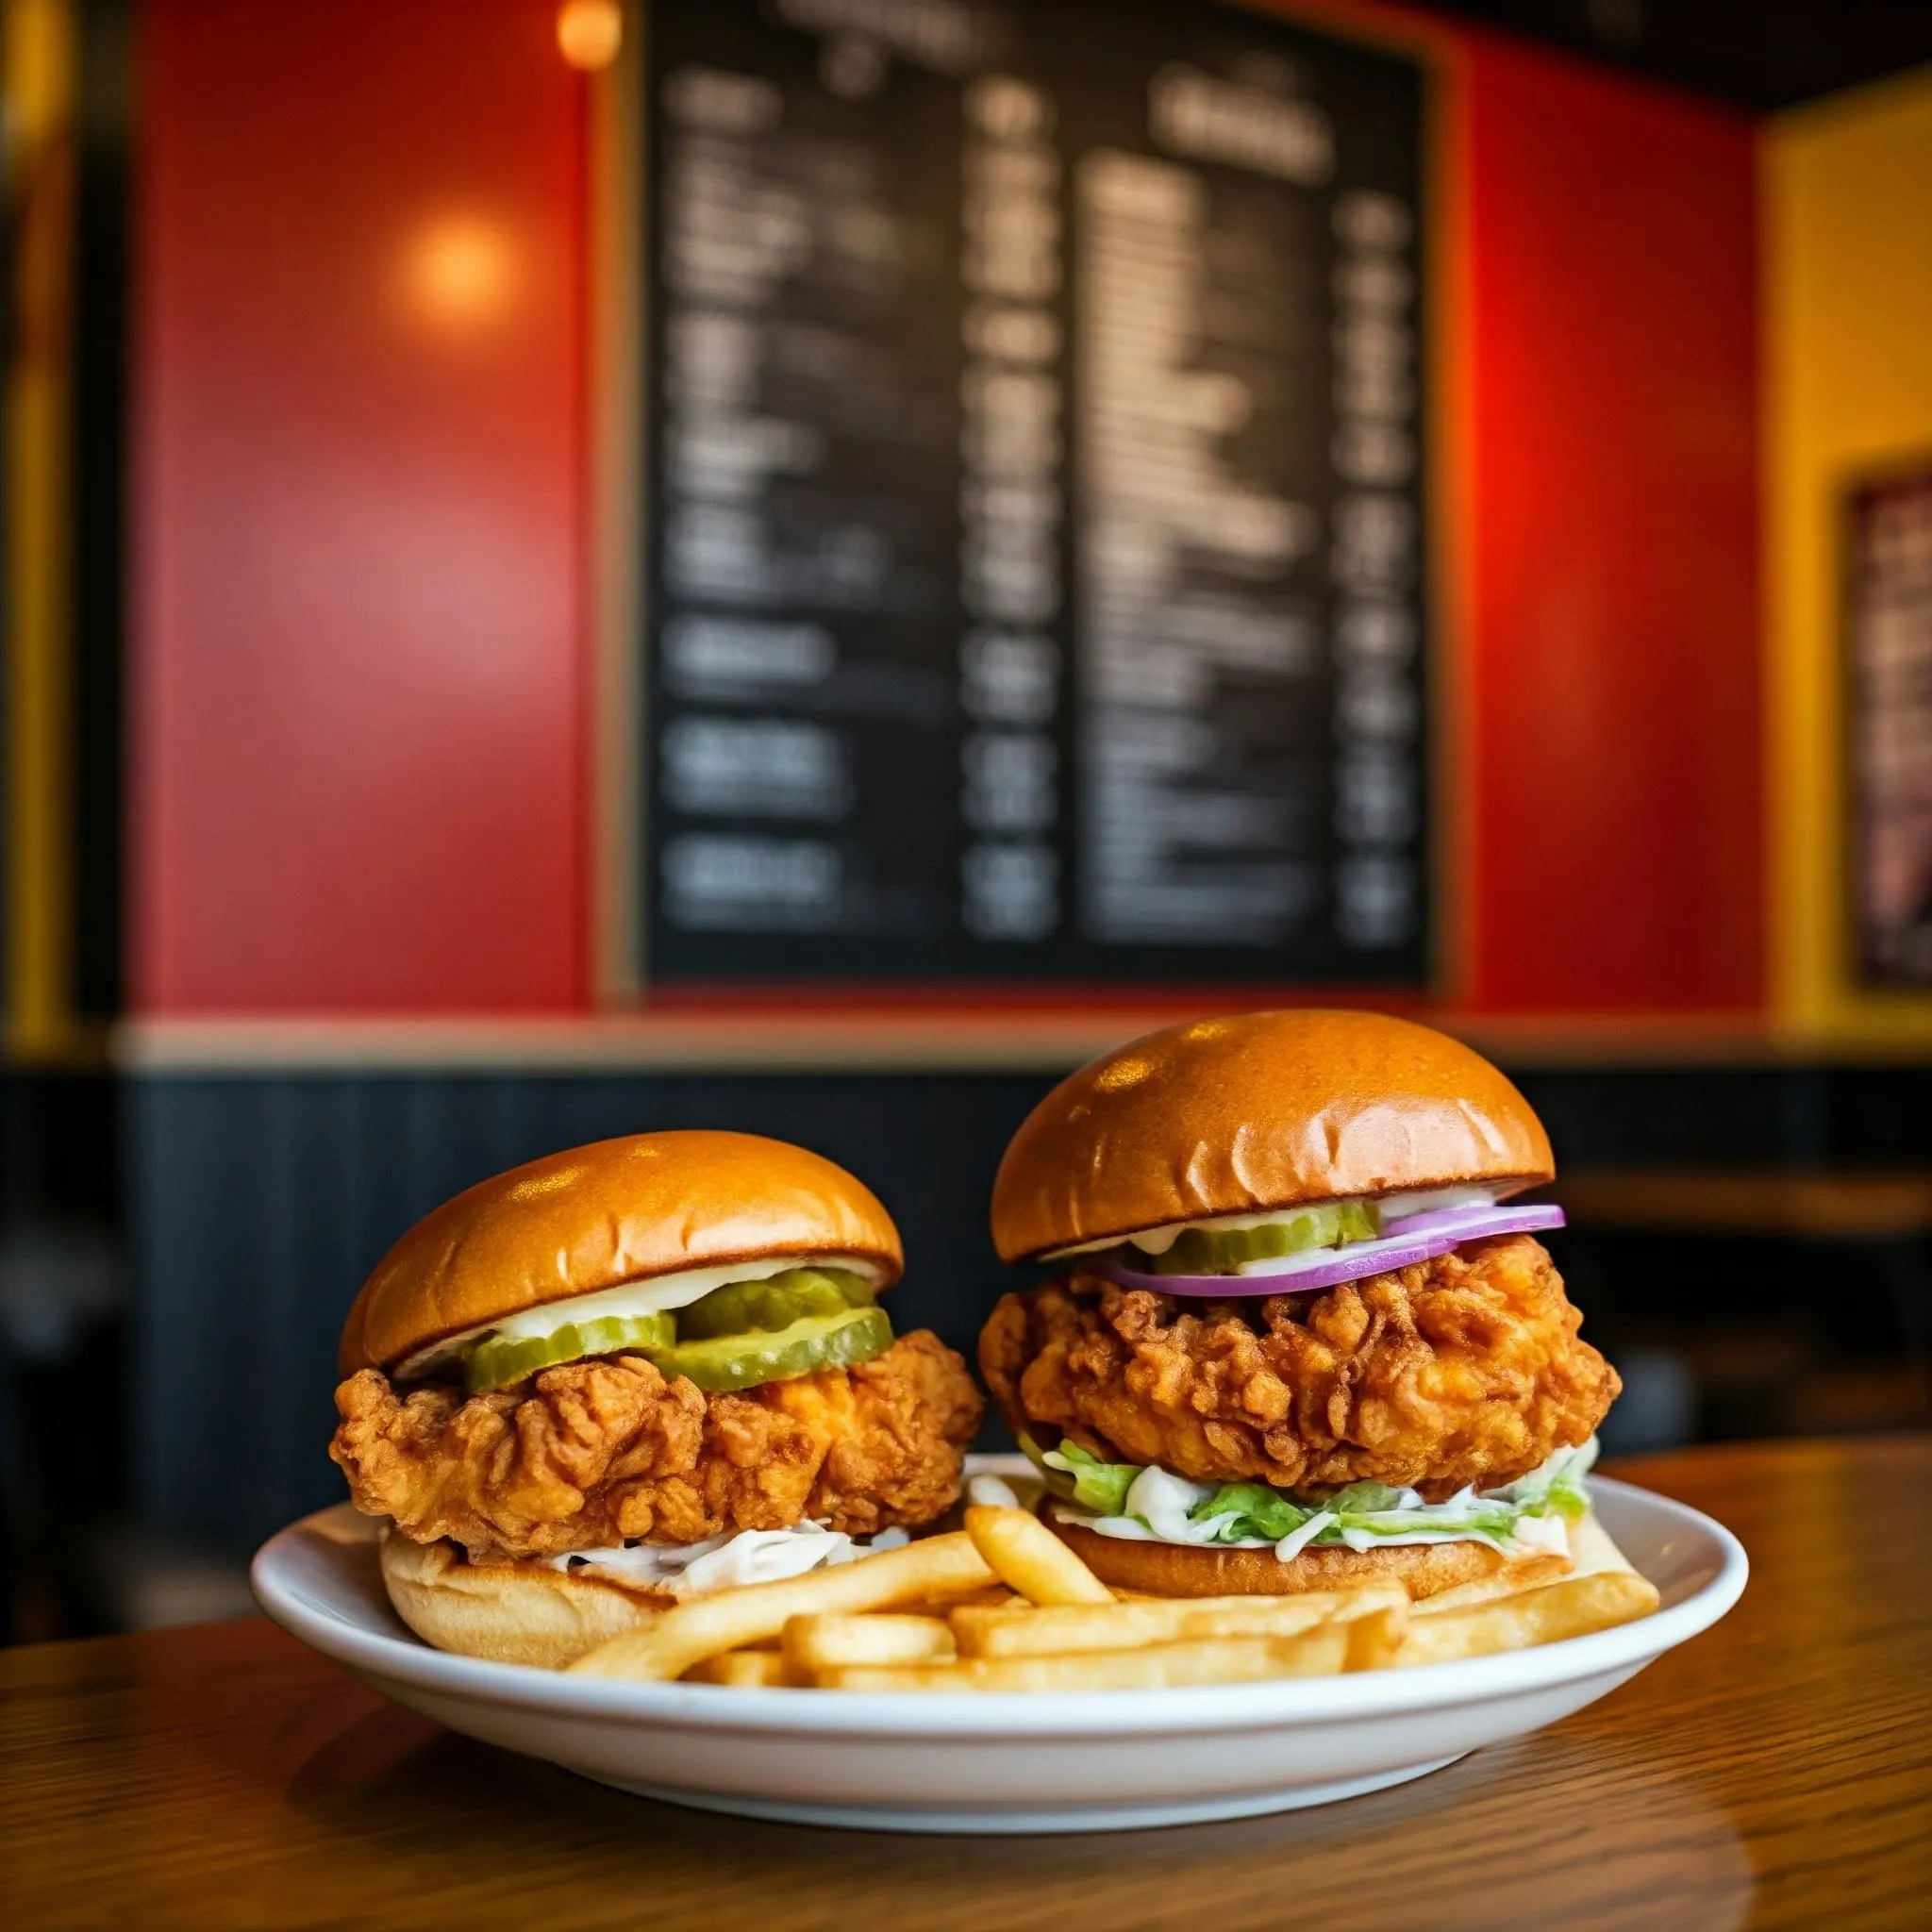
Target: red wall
{"x":358,"y":610}
{"x":359,"y":642}
{"x":1612,"y":570}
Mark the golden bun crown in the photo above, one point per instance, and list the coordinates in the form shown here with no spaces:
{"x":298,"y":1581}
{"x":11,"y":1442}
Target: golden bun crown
{"x":1255,"y":1112}
{"x":596,"y":1217}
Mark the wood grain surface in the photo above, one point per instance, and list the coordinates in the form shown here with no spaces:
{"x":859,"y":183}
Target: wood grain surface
{"x":1776,"y":1771}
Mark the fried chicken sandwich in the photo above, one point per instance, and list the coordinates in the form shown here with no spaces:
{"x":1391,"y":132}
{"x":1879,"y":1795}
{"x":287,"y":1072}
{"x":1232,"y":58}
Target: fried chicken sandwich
{"x":631,"y":1372}
{"x":1290,"y":1339}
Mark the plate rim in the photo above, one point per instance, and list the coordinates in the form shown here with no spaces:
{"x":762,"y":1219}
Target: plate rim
{"x":937,"y":1716}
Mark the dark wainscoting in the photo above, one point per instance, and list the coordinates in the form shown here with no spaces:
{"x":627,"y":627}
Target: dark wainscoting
{"x":258,"y":1202}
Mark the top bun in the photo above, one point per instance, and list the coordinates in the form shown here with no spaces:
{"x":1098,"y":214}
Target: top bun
{"x":1253,"y":1112}
{"x":594,"y":1217}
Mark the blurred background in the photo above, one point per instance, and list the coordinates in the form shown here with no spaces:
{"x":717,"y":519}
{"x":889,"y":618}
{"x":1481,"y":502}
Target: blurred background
{"x":810,"y":564}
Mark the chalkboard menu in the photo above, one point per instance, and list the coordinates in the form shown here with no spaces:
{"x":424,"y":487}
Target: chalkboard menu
{"x":1035,"y":513}
{"x":1891,"y":738}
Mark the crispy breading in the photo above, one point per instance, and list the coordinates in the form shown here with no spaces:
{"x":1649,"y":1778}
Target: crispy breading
{"x":1466,"y":1369}
{"x":592,"y":1453}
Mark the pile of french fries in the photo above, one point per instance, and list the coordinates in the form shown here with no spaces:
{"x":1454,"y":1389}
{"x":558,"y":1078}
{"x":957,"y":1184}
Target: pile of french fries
{"x":1004,"y":1605}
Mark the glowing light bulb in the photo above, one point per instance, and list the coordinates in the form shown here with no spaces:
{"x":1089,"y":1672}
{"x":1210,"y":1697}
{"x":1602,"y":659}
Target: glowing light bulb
{"x":461,"y":271}
{"x":590,"y":32}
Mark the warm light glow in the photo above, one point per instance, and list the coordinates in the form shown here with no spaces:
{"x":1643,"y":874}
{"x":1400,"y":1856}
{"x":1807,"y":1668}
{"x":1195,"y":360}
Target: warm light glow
{"x":460,"y":271}
{"x":590,"y":32}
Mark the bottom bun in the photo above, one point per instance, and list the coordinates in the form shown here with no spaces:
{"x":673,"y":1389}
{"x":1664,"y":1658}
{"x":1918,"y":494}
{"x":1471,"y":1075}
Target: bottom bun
{"x":1424,"y":1570}
{"x":510,"y":1613}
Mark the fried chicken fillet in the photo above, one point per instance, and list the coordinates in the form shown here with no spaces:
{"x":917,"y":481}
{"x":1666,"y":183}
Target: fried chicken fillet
{"x":1466,"y":1369}
{"x":590,"y":1453}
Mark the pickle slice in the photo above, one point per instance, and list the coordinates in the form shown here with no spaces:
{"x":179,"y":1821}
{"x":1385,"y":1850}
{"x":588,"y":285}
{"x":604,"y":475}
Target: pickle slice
{"x":720,"y":1362}
{"x":743,"y":1307}
{"x":1222,"y":1250}
{"x":498,"y":1361}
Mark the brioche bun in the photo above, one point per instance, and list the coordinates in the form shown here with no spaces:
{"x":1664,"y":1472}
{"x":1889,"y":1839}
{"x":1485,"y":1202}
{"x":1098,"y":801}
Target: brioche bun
{"x":591,"y":1218}
{"x":1255,"y":1112}
{"x":510,"y":1613}
{"x":1174,"y":1570}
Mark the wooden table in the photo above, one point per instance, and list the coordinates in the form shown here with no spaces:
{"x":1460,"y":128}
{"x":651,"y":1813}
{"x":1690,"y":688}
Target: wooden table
{"x":1776,"y":1771}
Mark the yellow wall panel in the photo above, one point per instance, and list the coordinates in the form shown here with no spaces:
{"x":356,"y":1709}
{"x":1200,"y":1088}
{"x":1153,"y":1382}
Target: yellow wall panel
{"x":36,"y":61}
{"x":1847,"y":212}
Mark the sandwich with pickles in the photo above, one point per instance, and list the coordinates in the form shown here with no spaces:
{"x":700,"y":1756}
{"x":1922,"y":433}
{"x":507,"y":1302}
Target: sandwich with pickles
{"x":1293,"y":1333}
{"x":635,"y":1371}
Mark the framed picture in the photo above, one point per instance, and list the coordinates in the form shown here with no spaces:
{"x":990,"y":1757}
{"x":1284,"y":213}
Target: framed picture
{"x":1888,"y":527}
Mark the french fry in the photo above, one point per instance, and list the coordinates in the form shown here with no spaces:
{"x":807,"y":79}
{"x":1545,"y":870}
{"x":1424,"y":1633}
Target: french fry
{"x":1374,"y":1637}
{"x":929,"y":1570}
{"x":1512,"y":1580}
{"x":1031,"y":1558}
{"x":827,"y":1643}
{"x":743,"y":1669}
{"x":1318,"y":1653}
{"x":995,"y":1596}
{"x":1161,"y":1620}
{"x":1573,"y":1607}
{"x":1021,"y":1492}
{"x":1591,"y":1550}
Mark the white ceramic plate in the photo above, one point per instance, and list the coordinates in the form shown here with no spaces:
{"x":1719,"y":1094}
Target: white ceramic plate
{"x":1093,"y":1760}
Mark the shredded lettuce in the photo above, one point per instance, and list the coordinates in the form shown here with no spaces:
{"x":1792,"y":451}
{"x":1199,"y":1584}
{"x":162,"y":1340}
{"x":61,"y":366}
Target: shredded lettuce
{"x":1101,"y":1487}
{"x":1254,"y":1513}
{"x":1364,"y":1499}
{"x":1556,"y":1488}
{"x":1355,"y":1516}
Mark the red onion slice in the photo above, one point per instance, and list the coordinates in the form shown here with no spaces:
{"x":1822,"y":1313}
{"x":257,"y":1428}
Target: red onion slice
{"x":1416,"y":1238}
{"x":1320,"y":1268}
{"x":1473,"y":1224}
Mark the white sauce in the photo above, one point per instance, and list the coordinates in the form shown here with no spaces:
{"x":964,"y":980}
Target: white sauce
{"x":1296,"y":1541}
{"x":659,"y":1293}
{"x":1156,"y":1240}
{"x":1163,"y":1501}
{"x":1551,"y":1532}
{"x":1540,"y":1533}
{"x":1158,"y":1503}
{"x":727,"y":1561}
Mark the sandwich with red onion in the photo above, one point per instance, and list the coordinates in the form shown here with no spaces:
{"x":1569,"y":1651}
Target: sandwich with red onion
{"x":1295,"y":1331}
